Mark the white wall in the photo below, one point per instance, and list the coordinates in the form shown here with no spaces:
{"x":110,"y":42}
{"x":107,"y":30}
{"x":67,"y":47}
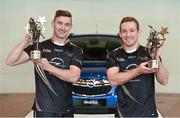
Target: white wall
{"x":0,"y":48}
{"x":87,"y":15}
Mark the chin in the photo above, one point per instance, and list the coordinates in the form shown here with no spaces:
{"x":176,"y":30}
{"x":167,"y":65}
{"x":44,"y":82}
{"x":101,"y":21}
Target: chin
{"x":63,"y":36}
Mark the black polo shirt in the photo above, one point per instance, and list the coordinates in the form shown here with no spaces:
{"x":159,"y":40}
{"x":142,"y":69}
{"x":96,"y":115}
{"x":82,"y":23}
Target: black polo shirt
{"x":59,"y":99}
{"x":136,"y":98}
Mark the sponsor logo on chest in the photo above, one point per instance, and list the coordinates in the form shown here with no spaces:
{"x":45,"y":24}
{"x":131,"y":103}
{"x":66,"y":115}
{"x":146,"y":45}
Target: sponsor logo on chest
{"x":58,"y":50}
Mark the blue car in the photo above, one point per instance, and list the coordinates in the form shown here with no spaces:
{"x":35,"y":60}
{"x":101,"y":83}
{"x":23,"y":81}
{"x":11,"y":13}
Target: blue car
{"x":93,"y":93}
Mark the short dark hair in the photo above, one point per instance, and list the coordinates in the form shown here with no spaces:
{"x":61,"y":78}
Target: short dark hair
{"x":62,"y":13}
{"x":129,"y":19}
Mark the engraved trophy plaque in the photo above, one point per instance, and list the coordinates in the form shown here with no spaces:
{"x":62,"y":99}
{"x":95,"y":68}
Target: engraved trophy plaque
{"x":35,"y":29}
{"x":155,"y":40}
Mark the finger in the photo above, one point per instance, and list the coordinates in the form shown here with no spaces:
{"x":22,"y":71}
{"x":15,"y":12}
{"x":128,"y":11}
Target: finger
{"x":145,"y":63}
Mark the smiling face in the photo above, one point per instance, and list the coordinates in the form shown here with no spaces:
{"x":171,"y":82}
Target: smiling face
{"x":62,"y":26}
{"x":129,"y":33}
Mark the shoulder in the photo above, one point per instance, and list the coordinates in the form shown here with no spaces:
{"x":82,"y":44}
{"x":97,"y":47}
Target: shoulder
{"x":74,"y":47}
{"x":45,"y":41}
{"x":142,"y":49}
{"x":115,"y":51}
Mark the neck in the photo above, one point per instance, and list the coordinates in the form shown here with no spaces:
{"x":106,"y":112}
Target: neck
{"x":132,"y":48}
{"x":59,"y":41}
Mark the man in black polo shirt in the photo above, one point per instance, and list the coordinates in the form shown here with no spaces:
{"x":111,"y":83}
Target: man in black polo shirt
{"x":127,"y":69}
{"x":60,"y":65}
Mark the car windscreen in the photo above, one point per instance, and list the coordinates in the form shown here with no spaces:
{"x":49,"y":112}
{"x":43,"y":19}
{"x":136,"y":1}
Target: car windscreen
{"x":96,"y":48}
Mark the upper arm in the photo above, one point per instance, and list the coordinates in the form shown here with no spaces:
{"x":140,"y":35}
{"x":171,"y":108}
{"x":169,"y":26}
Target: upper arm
{"x":24,"y":57}
{"x":77,"y":58}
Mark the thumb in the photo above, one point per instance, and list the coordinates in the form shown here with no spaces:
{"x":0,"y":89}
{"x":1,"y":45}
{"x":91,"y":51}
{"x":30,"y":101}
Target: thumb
{"x":145,"y":63}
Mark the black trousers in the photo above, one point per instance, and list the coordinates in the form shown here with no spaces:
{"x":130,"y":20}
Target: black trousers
{"x":51,"y":115}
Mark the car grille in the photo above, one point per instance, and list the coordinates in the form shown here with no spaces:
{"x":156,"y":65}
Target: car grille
{"x":91,"y":87}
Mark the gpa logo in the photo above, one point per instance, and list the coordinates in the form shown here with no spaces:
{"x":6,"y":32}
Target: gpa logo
{"x":47,"y":50}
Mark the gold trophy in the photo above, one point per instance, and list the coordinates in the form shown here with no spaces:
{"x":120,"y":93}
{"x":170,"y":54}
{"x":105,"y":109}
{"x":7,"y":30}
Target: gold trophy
{"x":35,"y":29}
{"x":155,"y":40}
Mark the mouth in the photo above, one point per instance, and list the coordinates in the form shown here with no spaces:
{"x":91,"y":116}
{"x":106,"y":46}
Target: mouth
{"x":128,"y":40}
{"x":61,"y":31}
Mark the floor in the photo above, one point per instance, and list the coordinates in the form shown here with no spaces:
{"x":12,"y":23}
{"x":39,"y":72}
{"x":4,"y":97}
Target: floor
{"x":19,"y":105}
{"x":15,"y":105}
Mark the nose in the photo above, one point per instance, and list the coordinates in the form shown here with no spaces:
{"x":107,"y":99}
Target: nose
{"x":63,"y":26}
{"x":128,"y":33}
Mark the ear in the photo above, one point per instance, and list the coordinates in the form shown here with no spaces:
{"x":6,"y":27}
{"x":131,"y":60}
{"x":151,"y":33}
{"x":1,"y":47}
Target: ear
{"x":52,"y":23}
{"x":139,"y":32}
{"x":71,"y":27}
{"x":119,"y":35}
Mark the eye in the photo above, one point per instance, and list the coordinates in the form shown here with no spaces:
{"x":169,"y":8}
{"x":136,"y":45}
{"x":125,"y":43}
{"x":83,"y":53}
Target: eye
{"x":68,"y":24}
{"x":132,"y":30}
{"x":123,"y":31}
{"x":59,"y":22}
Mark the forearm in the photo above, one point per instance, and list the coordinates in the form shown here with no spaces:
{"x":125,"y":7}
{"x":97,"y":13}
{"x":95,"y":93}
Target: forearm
{"x":162,"y":74}
{"x":65,"y":75}
{"x":123,"y":77}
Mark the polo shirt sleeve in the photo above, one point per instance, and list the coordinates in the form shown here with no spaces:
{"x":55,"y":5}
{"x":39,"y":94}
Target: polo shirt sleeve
{"x":28,"y":49}
{"x":111,"y":60}
{"x":77,"y":58}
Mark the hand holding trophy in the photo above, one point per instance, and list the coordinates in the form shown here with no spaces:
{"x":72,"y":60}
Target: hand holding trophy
{"x":35,"y":29}
{"x":155,"y":41}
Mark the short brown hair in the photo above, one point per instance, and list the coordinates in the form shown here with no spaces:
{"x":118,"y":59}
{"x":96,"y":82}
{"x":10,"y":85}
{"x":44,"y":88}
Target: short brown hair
{"x":62,"y":13}
{"x":129,"y":19}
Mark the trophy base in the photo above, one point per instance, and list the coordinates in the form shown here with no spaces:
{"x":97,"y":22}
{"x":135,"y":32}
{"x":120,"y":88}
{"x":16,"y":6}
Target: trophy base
{"x":35,"y":54}
{"x":153,"y":64}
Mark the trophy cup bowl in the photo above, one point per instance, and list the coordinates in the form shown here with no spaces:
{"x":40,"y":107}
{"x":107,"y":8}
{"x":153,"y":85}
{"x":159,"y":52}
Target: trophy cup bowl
{"x":35,"y":53}
{"x":155,"y":41}
{"x":153,"y":63}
